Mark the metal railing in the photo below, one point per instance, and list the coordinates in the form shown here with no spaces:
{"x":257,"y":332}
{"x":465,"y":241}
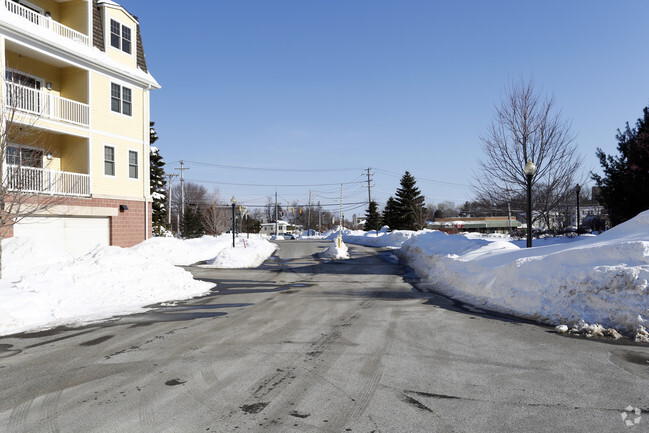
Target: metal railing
{"x":45,"y":104}
{"x":46,"y":22}
{"x":45,"y":181}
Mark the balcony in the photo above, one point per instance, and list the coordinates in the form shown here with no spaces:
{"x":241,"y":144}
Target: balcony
{"x":32,"y":180}
{"x":46,"y":105}
{"x":32,"y":18}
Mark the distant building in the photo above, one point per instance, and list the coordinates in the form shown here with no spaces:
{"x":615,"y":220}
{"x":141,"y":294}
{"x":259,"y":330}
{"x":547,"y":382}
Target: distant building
{"x":283,"y":228}
{"x":470,"y":224}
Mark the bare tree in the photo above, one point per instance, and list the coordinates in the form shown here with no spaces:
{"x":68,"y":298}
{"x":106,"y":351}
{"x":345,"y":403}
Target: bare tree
{"x":195,"y":195}
{"x":216,"y":216}
{"x":26,"y":188}
{"x":527,"y":127}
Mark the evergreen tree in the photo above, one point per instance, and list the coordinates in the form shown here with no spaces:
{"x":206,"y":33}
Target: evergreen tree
{"x":391,"y":214}
{"x":191,"y":225}
{"x":373,"y":218}
{"x":410,"y":204}
{"x":624,"y":188}
{"x":158,"y":185}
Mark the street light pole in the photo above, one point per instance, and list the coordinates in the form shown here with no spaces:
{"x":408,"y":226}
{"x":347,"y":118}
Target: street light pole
{"x":529,"y":169}
{"x":234,"y":202}
{"x":578,"y":190}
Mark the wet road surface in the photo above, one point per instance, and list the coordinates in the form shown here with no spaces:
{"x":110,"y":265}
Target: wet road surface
{"x":306,"y":345}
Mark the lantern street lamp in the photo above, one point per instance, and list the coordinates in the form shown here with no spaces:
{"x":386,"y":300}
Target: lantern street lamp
{"x":578,"y":190}
{"x":234,"y":202}
{"x":529,"y":169}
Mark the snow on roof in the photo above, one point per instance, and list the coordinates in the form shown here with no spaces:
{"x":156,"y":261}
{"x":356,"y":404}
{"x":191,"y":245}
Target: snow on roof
{"x":115,"y":5}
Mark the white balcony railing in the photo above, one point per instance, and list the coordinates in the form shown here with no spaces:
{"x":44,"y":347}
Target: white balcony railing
{"x":45,"y":181}
{"x":45,"y":22}
{"x":46,"y":105}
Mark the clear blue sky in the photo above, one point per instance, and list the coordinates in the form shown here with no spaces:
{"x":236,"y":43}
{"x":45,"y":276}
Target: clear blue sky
{"x":314,"y":92}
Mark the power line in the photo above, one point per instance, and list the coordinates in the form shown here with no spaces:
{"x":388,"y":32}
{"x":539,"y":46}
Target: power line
{"x":300,"y":170}
{"x":268,"y":184}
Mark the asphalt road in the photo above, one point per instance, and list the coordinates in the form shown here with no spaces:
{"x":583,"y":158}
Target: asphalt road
{"x":305,"y":345}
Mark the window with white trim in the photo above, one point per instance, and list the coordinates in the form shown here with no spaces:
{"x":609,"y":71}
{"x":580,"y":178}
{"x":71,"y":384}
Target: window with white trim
{"x":120,"y":36}
{"x":132,"y":164}
{"x":121,"y":99}
{"x":25,"y":156}
{"x":109,"y":161}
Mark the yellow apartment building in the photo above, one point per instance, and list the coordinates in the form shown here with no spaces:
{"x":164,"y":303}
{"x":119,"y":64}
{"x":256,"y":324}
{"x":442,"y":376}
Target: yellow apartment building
{"x":75,"y":96}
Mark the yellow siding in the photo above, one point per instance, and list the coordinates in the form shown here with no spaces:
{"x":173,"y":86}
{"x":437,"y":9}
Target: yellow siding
{"x":104,"y":119}
{"x":70,"y":82}
{"x":34,"y":67}
{"x":119,"y":185}
{"x":74,"y":14}
{"x":52,"y":143}
{"x":74,"y":84}
{"x":122,"y":132}
{"x":124,"y":19}
{"x":74,"y":154}
{"x":49,"y":6}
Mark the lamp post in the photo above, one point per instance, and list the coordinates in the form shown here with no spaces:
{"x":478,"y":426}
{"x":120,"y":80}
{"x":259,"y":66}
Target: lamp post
{"x":529,"y":169}
{"x":578,"y":190}
{"x":234,"y":202}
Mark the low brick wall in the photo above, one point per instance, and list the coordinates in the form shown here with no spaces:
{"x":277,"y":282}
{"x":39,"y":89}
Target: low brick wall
{"x":128,"y":228}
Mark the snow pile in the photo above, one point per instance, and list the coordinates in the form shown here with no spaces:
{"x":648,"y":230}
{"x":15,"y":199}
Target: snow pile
{"x":599,"y":279}
{"x":246,"y":254}
{"x":381,"y":239}
{"x":43,"y":287}
{"x":182,"y":252}
{"x":107,"y":281}
{"x":336,"y":251}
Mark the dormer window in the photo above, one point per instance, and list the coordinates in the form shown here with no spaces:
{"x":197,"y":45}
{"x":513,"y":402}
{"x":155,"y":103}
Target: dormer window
{"x":120,"y":36}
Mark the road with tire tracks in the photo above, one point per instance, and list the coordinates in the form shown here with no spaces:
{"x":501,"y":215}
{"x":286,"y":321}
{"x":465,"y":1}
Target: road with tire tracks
{"x":302,"y":344}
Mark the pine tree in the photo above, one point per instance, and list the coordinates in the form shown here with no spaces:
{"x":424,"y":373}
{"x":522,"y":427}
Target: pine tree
{"x":373,"y":218}
{"x":411,"y":205}
{"x":191,"y":225}
{"x":391,"y":214}
{"x":624,"y":188}
{"x":158,"y":186}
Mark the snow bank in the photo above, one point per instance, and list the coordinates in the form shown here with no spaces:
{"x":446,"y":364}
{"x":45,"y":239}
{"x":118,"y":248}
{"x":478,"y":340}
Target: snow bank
{"x":335,"y":251}
{"x":248,"y":253}
{"x":43,"y":287}
{"x":600,"y":279}
{"x":107,"y":281}
{"x":182,"y":252}
{"x":381,"y":239}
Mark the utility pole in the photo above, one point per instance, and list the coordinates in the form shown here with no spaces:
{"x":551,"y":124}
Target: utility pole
{"x":340,"y":234}
{"x":170,"y":176}
{"x":182,"y":188}
{"x":369,"y":186}
{"x":308,"y":216}
{"x":276,"y":222}
{"x":319,"y":218}
{"x":509,"y":212}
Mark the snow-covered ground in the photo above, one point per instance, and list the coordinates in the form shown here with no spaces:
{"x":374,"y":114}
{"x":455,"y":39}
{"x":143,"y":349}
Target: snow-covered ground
{"x":587,"y":282}
{"x":43,"y":287}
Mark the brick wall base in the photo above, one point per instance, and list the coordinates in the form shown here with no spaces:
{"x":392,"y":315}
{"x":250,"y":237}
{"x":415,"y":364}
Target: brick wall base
{"x":128,"y":228}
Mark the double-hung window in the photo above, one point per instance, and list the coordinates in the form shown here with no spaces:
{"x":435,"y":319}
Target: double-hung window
{"x":109,"y":161}
{"x":120,"y":99}
{"x":120,"y":36}
{"x":132,"y":164}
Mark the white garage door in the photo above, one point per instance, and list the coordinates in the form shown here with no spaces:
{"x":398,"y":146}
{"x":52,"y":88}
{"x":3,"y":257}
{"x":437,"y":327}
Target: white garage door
{"x":77,"y":235}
